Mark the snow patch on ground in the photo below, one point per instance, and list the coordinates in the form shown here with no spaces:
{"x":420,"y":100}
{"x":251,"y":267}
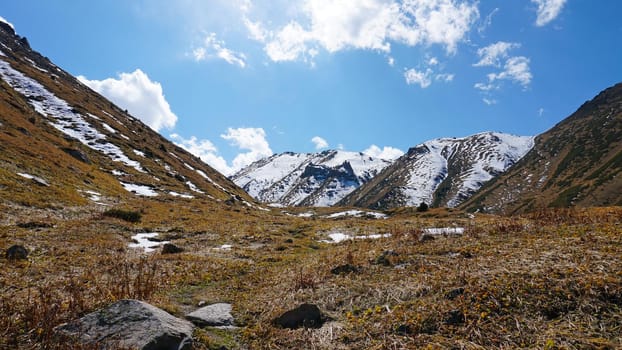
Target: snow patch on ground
{"x":34,"y":178}
{"x":139,"y":153}
{"x":193,"y":187}
{"x":338,"y":237}
{"x":444,"y":231}
{"x":224,"y":247}
{"x":182,"y":195}
{"x":141,"y":190}
{"x":218,"y":186}
{"x":142,"y":241}
{"x":109,"y":128}
{"x":357,"y":213}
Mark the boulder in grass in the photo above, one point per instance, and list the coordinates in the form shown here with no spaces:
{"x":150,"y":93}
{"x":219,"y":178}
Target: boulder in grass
{"x":306,"y":315}
{"x":17,"y":252}
{"x":170,"y":248}
{"x":130,"y":324}
{"x":215,"y":315}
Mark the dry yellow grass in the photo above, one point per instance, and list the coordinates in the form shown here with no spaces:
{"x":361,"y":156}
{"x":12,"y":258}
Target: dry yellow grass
{"x":548,"y":280}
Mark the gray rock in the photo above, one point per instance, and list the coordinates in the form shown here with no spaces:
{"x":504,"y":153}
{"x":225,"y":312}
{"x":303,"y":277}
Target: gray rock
{"x":17,"y":252}
{"x":215,"y":315}
{"x":170,"y":248}
{"x":131,"y":324}
{"x":306,"y":315}
{"x":77,"y":154}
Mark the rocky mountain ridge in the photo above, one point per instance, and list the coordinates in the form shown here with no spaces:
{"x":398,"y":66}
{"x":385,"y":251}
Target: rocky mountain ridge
{"x":441,"y":172}
{"x":308,"y":179}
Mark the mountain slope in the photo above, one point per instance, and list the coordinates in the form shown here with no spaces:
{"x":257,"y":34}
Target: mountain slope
{"x":577,"y":162}
{"x":311,"y":179}
{"x":61,"y":143}
{"x":441,"y":172}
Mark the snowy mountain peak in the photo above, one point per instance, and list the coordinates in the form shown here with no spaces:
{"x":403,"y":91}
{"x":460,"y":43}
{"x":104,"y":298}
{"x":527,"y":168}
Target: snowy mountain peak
{"x":313,"y":179}
{"x":442,"y":172}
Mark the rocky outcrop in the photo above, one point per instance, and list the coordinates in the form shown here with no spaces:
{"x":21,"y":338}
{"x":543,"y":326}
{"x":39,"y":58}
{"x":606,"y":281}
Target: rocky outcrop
{"x":131,"y":324}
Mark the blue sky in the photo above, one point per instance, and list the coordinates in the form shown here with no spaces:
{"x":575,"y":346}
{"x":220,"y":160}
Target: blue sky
{"x":237,"y":80}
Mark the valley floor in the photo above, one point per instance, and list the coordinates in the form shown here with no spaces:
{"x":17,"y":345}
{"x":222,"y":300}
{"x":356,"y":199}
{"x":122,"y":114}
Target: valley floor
{"x":548,"y":280}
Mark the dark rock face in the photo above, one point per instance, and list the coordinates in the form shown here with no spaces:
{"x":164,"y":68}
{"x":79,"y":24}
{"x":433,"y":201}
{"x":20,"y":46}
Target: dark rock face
{"x":77,"y":154}
{"x":17,"y":252}
{"x":215,"y":315}
{"x":306,"y":315}
{"x":170,"y":248}
{"x":131,"y":324}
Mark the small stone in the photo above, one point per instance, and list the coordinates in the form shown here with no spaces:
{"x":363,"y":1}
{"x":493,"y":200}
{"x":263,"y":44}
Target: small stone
{"x":345,"y":269}
{"x":170,"y":248}
{"x":385,"y":258}
{"x":17,"y":252}
{"x":215,"y":315}
{"x":454,"y":318}
{"x":306,"y":315}
{"x":454,"y":293}
{"x":426,"y":238}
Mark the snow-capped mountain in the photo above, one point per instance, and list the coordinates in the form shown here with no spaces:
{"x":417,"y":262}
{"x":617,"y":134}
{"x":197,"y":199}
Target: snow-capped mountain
{"x":441,"y":172}
{"x":308,"y":179}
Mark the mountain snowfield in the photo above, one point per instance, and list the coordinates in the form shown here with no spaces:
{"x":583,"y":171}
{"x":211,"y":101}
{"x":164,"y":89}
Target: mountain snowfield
{"x":442,"y":172}
{"x":308,"y":179}
{"x":488,"y":154}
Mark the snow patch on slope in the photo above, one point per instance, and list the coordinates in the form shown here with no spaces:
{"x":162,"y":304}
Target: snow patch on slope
{"x":62,"y":116}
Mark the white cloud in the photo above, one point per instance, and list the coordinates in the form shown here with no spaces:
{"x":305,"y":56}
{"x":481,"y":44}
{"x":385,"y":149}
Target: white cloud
{"x":251,"y":139}
{"x":540,"y":111}
{"x":214,"y":48}
{"x":256,"y":30}
{"x":205,"y":150}
{"x":516,"y":69}
{"x":547,"y":10}
{"x":492,"y":54}
{"x":487,"y":22}
{"x":319,"y":142}
{"x":445,"y":77}
{"x":141,"y":96}
{"x":414,"y":76}
{"x":366,"y":24}
{"x":485,"y":87}
{"x":388,"y":153}
{"x":489,"y":101}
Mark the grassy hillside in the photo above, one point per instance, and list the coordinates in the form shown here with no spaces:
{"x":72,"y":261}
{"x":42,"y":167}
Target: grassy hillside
{"x":576,"y":163}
